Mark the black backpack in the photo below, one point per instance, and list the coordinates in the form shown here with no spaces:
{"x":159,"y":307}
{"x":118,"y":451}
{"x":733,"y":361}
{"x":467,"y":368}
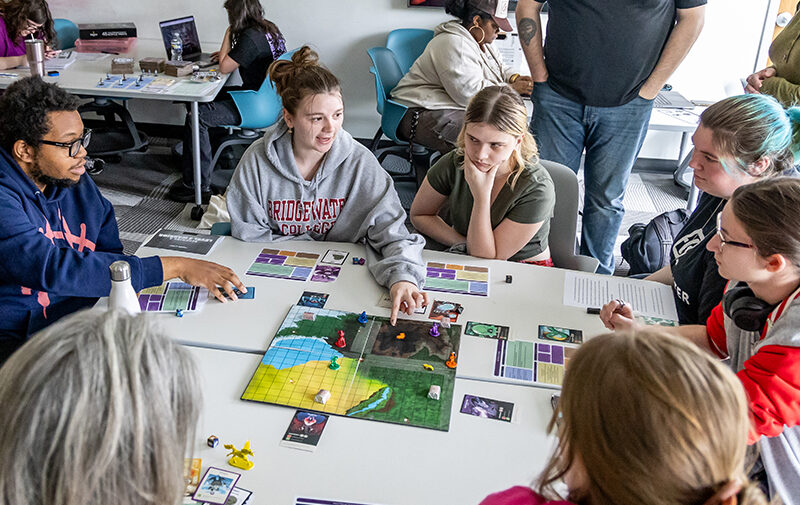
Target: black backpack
{"x":647,"y":248}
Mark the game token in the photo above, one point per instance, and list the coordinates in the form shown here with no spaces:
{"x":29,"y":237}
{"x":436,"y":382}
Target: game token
{"x":341,"y":341}
{"x":451,"y":363}
{"x":179,"y":313}
{"x":361,"y":261}
{"x":212,"y":441}
{"x":508,"y":279}
{"x":323,"y":396}
{"x":434,"y":331}
{"x":401,"y":336}
{"x":334,"y":365}
{"x":434,"y":392}
{"x":363,"y":318}
{"x":427,"y":367}
{"x":355,"y":260}
{"x":239,"y":457}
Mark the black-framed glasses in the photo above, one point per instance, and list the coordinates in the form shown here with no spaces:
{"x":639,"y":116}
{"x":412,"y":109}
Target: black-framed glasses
{"x":74,"y":146}
{"x":723,"y":242}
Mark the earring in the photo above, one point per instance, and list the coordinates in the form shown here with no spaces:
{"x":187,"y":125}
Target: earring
{"x":483,"y":33}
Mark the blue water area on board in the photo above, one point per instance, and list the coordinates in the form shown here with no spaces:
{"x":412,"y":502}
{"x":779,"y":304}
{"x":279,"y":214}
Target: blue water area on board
{"x":387,"y":392}
{"x":292,"y":351}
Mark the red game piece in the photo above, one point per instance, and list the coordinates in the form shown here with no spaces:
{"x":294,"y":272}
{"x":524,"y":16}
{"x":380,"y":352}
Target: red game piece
{"x":341,"y":341}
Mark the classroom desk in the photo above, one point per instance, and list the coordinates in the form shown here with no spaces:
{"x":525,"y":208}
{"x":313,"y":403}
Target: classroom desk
{"x":534,"y":297}
{"x":81,"y":78}
{"x":367,"y":461}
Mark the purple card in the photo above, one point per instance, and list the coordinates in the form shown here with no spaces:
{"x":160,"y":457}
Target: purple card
{"x":325,"y":273}
{"x":486,"y":407}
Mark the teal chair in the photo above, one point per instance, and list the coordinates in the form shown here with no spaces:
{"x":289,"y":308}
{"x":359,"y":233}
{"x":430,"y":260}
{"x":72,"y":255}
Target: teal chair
{"x":407,"y":44}
{"x":66,"y":33}
{"x":259,"y":110}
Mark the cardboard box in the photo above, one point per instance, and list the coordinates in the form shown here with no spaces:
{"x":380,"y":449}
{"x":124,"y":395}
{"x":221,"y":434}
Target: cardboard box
{"x":90,"y":31}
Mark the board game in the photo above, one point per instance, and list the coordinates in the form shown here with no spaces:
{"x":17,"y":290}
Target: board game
{"x":378,"y":376}
{"x":461,"y":279}
{"x":172,"y":296}
{"x":283,"y":264}
{"x":537,"y":362}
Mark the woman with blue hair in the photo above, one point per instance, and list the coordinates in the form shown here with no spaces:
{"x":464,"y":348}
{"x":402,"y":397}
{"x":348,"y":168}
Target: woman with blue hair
{"x":738,"y":141}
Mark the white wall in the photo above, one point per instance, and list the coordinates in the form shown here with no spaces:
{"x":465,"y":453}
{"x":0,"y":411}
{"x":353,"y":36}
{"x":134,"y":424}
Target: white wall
{"x":342,"y":32}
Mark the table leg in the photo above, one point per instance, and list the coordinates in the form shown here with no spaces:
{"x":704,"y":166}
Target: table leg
{"x":197,"y":211}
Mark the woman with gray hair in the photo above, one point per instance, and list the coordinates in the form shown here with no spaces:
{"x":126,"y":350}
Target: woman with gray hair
{"x":98,"y":408}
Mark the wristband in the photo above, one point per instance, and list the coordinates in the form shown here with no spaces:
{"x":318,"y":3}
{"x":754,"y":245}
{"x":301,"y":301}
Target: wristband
{"x":513,"y":78}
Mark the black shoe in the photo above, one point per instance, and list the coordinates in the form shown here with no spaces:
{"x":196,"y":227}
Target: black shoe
{"x":184,"y":194}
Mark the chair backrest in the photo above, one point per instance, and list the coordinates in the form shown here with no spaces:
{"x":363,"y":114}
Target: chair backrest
{"x":564,"y":222}
{"x":66,"y":33}
{"x":386,"y":71}
{"x":407,"y":44}
{"x":262,"y":108}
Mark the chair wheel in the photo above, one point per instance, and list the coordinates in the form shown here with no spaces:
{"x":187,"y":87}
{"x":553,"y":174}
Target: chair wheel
{"x":197,"y":213}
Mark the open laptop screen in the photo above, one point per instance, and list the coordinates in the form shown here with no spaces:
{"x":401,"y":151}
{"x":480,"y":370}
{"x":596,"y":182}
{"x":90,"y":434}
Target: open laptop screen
{"x":186,"y":27}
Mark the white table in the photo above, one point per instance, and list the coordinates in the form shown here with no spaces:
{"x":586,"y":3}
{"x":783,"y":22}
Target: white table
{"x":368,"y":461}
{"x":685,"y":122}
{"x":82,"y":76}
{"x":534,"y":297}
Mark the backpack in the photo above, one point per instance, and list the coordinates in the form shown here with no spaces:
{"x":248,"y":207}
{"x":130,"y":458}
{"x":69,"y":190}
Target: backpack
{"x":647,"y":248}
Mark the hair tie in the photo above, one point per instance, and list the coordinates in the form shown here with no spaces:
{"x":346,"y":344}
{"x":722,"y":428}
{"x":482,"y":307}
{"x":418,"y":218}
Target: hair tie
{"x":727,"y":491}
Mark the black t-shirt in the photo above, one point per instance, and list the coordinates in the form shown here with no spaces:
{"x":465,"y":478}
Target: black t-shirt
{"x":254,"y":51}
{"x":697,"y":285}
{"x":600,"y":52}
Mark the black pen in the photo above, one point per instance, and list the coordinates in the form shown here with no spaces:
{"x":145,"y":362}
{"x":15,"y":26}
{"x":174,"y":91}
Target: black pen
{"x":593,"y":310}
{"x":109,"y":52}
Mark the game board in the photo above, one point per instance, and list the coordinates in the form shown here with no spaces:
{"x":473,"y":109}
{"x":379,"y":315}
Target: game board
{"x":380,"y":377}
{"x":537,"y":362}
{"x":283,"y":264}
{"x":172,"y":296}
{"x":461,"y":279}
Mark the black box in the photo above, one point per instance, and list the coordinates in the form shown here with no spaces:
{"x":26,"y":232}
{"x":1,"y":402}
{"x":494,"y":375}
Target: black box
{"x":94,"y":31}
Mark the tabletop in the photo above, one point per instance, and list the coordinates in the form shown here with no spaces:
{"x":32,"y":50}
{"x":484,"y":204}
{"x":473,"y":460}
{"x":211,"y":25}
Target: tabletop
{"x":372,"y":462}
{"x":83,"y":75}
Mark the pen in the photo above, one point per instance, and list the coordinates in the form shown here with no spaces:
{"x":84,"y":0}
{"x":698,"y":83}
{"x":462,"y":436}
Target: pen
{"x":108,"y":52}
{"x":593,"y":310}
{"x":3,"y":74}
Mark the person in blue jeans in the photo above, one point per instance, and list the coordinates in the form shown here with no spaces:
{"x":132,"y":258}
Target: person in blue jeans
{"x":595,"y":80}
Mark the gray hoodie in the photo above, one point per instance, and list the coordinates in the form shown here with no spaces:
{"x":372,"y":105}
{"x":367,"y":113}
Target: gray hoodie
{"x":350,"y":199}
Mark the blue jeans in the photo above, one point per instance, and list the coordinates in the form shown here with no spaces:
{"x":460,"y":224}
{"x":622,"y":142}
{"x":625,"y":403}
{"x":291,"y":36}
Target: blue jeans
{"x":612,"y":137}
{"x":217,"y":113}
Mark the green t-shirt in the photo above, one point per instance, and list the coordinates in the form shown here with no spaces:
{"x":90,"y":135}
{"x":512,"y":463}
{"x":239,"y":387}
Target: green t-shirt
{"x":531,"y":201}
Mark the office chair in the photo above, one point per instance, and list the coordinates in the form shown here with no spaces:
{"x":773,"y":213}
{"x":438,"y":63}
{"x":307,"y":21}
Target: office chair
{"x":563,"y":224}
{"x":407,"y":44}
{"x":66,"y":33}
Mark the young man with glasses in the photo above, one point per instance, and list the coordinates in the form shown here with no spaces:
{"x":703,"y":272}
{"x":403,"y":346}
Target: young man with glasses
{"x":58,"y":234}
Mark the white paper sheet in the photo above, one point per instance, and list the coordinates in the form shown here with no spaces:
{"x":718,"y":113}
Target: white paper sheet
{"x":646,"y":297}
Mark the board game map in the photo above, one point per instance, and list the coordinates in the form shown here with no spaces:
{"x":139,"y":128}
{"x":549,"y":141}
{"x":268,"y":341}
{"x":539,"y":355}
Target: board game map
{"x":532,"y":361}
{"x":283,"y":264}
{"x":460,"y":279}
{"x":380,"y":378}
{"x":172,"y":296}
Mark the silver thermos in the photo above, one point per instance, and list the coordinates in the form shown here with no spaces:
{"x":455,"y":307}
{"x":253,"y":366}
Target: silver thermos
{"x":34,"y":52}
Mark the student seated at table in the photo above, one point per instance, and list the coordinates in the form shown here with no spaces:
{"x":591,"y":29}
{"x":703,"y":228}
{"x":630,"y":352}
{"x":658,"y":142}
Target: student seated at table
{"x":99,"y":408}
{"x":456,"y":64}
{"x":644,"y":419}
{"x":308,"y":179}
{"x":20,"y":19}
{"x":757,"y":324}
{"x":500,"y":199}
{"x":58,"y":234}
{"x":739,"y":140}
{"x":250,"y":44}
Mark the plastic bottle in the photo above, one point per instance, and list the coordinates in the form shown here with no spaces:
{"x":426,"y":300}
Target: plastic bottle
{"x":176,"y":47}
{"x":122,"y":295}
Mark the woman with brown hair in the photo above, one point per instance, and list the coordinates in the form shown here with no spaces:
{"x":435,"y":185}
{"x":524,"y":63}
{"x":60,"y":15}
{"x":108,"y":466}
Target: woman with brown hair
{"x":500,"y":199}
{"x":308,"y":179}
{"x":645,"y":418}
{"x":20,"y":19}
{"x":251,"y":43}
{"x":757,"y":324}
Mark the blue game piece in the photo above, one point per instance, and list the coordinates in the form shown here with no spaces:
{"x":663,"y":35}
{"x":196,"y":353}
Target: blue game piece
{"x":355,"y":260}
{"x":179,"y":313}
{"x":363,"y":318}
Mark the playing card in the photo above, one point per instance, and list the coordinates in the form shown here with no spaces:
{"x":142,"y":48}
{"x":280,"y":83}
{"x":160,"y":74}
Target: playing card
{"x":486,"y":330}
{"x":325,"y":273}
{"x":334,"y":257}
{"x":311,"y":299}
{"x":486,"y":407}
{"x":558,"y":334}
{"x":442,"y":309}
{"x":215,"y":486}
{"x":304,"y":430}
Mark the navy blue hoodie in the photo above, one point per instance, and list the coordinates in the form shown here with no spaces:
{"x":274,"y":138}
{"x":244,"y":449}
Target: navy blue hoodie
{"x":55,"y":250}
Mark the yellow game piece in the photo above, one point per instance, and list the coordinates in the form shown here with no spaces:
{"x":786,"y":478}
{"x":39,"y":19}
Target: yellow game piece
{"x":401,"y":336}
{"x":427,"y":367}
{"x":239,"y":458}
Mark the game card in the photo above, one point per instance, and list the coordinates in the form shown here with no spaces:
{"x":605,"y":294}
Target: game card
{"x":655,"y":321}
{"x":251,"y":293}
{"x":311,"y":299}
{"x":559,"y":334}
{"x":486,"y":330}
{"x":442,"y":309}
{"x":304,"y":430}
{"x":386,"y":301}
{"x":334,"y":257}
{"x":216,"y":485}
{"x":324,"y":501}
{"x":238,"y":496}
{"x":325,"y":273}
{"x":486,"y":407}
{"x":191,"y":474}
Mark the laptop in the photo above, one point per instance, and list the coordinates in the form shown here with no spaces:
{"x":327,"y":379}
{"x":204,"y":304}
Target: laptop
{"x":191,"y":41}
{"x":672,"y":100}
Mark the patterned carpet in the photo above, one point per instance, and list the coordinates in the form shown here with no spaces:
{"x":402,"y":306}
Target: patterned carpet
{"x":137,"y":188}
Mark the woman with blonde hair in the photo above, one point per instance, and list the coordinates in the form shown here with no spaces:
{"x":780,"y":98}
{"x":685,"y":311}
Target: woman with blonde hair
{"x":98,"y":408}
{"x":645,"y":419}
{"x":500,"y":199}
